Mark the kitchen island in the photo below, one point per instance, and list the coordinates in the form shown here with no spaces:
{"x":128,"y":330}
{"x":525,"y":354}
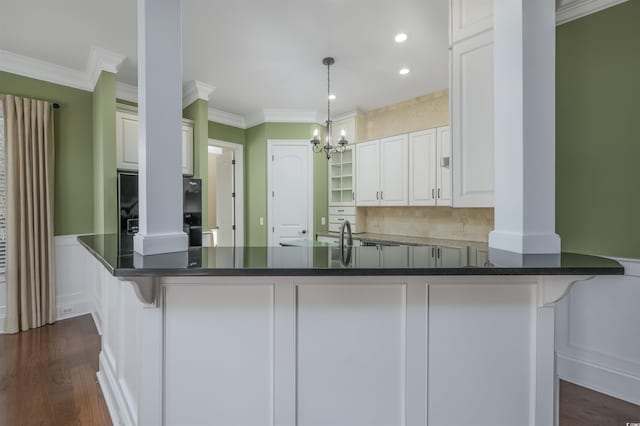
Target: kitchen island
{"x":323,"y":336}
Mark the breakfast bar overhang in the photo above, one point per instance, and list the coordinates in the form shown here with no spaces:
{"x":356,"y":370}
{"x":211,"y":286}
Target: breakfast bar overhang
{"x":307,"y":336}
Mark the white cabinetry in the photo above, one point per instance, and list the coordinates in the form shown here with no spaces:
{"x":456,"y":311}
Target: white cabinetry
{"x":430,"y":167}
{"x":341,"y":179}
{"x":127,"y":141}
{"x":438,"y":257}
{"x":382,"y":176}
{"x":368,"y":173}
{"x":472,"y":115}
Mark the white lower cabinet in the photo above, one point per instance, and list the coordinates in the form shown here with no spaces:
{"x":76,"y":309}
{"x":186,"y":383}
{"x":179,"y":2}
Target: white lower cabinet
{"x":127,"y":141}
{"x":430,"y":167}
{"x":382,"y":177}
{"x":438,"y":257}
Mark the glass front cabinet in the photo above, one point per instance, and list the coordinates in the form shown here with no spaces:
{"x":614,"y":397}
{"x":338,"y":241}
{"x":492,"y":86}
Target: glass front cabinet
{"x":342,"y":178}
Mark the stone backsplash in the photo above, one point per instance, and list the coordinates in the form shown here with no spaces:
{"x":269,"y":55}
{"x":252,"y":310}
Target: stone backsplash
{"x":430,"y":222}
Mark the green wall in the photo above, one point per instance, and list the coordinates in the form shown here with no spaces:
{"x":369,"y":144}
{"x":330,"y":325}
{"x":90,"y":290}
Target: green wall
{"x":104,"y":155}
{"x":598,"y":133}
{"x":225,"y":133}
{"x":256,"y":177}
{"x":73,"y":186}
{"x":198,"y":112}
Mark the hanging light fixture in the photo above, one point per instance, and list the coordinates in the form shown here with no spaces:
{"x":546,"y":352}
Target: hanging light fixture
{"x":328,"y":147}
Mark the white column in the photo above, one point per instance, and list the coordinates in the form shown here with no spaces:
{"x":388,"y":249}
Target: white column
{"x":160,"y":124}
{"x":524,"y":87}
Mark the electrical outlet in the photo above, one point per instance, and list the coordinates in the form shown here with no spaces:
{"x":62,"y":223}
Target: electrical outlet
{"x":323,"y":221}
{"x":67,"y":310}
{"x":262,"y":221}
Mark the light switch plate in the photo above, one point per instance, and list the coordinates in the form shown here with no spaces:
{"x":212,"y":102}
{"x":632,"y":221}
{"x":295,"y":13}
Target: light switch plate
{"x":262,"y":221}
{"x":323,"y":221}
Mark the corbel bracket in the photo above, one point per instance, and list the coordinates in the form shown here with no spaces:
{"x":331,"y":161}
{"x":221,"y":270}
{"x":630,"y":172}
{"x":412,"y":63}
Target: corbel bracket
{"x":145,"y":288}
{"x":552,"y":288}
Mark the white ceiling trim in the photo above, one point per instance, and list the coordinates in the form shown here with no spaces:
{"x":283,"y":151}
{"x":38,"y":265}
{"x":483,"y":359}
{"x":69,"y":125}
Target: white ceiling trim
{"x":126,"y":92}
{"x":194,"y":90}
{"x":102,"y":60}
{"x":45,"y":71}
{"x":223,"y":117}
{"x":282,"y":115}
{"x":569,"y":10}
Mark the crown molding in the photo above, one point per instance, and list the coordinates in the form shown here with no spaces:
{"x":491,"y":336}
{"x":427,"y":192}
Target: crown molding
{"x":126,"y":92}
{"x":350,"y":114}
{"x":194,"y":90}
{"x":45,"y":71}
{"x":223,"y":117}
{"x":102,"y":60}
{"x":570,"y":10}
{"x":282,"y":115}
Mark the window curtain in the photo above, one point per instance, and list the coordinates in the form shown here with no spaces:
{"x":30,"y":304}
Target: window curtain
{"x":29,"y":156}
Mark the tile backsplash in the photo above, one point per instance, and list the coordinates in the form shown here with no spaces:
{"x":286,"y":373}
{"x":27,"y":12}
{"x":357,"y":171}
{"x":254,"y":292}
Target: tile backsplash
{"x":430,"y":222}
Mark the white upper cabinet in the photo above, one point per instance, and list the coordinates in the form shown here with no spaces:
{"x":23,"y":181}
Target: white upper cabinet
{"x":127,"y":141}
{"x":422,"y":170}
{"x":368,"y":173}
{"x":469,"y":18}
{"x":382,"y":176}
{"x":472,"y":121}
{"x":443,"y":167}
{"x":342,"y":187}
{"x":430,"y":167}
{"x":394,"y":160}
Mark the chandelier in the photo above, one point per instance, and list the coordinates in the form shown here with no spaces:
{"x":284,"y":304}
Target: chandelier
{"x":328,"y":147}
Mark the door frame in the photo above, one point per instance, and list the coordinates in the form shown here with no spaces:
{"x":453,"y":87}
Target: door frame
{"x":238,"y":150}
{"x":271,"y":143}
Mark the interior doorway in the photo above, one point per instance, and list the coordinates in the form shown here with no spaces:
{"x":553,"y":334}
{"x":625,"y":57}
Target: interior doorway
{"x":226,"y":193}
{"x":290,"y":191}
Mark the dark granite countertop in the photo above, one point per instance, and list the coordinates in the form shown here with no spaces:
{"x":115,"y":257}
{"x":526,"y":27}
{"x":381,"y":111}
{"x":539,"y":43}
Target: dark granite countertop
{"x":329,"y":261}
{"x":405,"y":239}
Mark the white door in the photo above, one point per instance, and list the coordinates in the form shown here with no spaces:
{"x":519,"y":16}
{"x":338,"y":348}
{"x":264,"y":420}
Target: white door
{"x":225,"y":202}
{"x":394,"y":174}
{"x":290,"y":191}
{"x":443,"y":166}
{"x":368,"y":173}
{"x":422,"y":168}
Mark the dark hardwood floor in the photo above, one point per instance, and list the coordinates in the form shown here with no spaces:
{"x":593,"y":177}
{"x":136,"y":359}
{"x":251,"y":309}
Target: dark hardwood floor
{"x":48,"y":378}
{"x":583,"y":407}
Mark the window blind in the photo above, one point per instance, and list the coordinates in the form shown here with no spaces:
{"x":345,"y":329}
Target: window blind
{"x":3,"y":199}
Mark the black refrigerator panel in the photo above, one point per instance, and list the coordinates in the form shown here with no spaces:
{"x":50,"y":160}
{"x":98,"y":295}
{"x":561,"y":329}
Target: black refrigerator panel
{"x":128,"y":210}
{"x":192,"y":193}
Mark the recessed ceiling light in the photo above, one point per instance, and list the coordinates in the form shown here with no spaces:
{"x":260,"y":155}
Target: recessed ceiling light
{"x":404,"y":71}
{"x":400,"y":38}
{"x":332,"y":97}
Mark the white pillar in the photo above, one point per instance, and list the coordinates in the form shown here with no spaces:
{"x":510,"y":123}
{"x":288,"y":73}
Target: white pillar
{"x":160,"y":124}
{"x":524,"y":86}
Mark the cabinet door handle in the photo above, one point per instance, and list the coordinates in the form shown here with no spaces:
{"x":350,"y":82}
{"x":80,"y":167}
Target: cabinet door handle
{"x":353,"y":196}
{"x":340,"y":210}
{"x":438,"y":192}
{"x":377,"y":196}
{"x":433,"y":193}
{"x":438,"y":252}
{"x":381,"y":196}
{"x":433,"y":251}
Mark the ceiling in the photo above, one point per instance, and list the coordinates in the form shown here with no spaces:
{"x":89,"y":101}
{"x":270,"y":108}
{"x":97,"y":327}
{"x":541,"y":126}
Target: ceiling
{"x":258,"y":54}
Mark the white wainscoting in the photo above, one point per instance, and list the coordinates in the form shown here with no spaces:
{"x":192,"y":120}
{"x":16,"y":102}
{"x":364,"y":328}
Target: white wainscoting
{"x":75,"y":284}
{"x":598,"y":334}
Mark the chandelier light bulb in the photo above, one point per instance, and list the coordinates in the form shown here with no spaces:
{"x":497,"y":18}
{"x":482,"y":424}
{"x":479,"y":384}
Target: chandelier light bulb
{"x":402,"y":37}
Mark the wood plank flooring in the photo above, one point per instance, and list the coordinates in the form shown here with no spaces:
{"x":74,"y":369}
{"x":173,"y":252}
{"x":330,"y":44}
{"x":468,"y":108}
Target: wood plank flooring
{"x":48,"y":378}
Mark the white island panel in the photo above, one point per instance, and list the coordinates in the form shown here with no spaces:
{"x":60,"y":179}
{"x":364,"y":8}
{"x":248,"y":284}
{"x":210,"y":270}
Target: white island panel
{"x":351,"y":354}
{"x":219,"y":354}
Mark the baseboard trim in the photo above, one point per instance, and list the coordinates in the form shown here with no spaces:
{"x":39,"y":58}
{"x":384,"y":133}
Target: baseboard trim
{"x":599,"y":378}
{"x":115,"y":399}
